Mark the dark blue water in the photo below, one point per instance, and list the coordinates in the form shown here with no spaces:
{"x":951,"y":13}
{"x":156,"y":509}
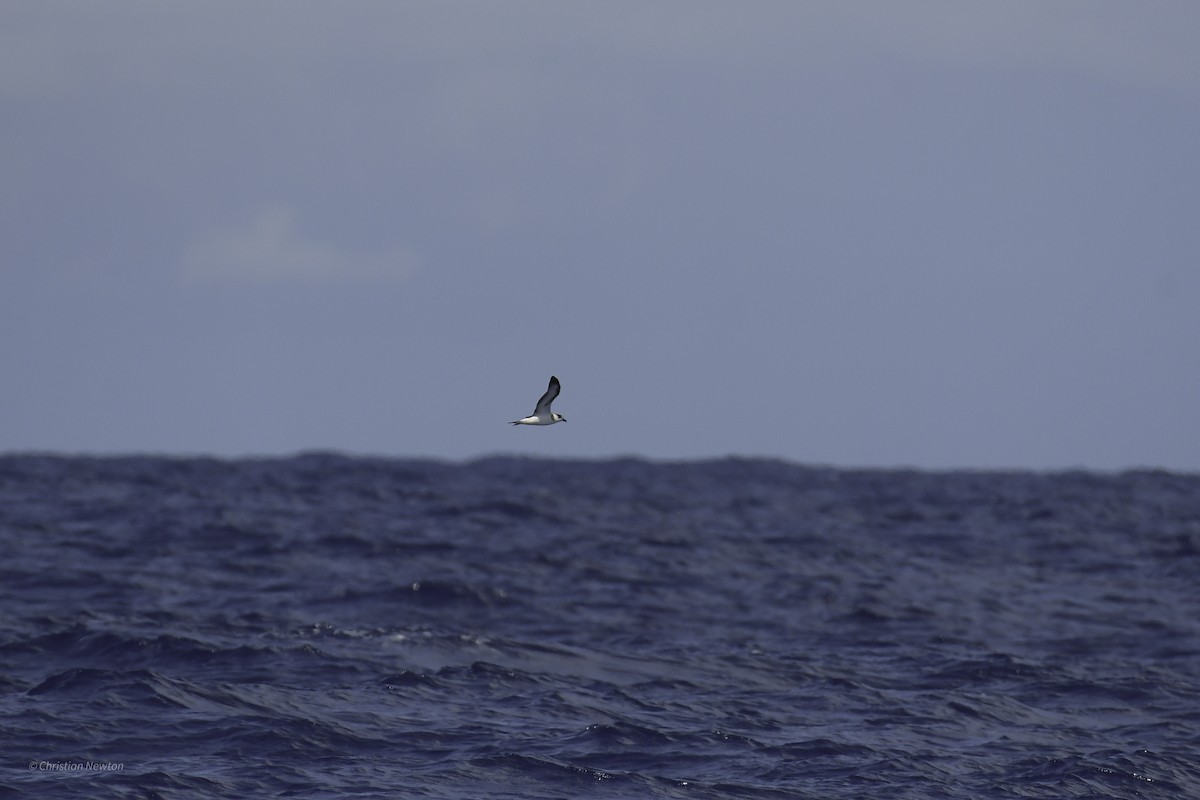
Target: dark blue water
{"x":333,"y":627}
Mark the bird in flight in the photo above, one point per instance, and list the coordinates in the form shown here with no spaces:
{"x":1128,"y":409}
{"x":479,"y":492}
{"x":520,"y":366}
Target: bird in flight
{"x":542,"y":415}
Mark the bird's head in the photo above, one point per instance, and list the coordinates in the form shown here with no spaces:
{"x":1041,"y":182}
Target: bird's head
{"x":560,"y":418}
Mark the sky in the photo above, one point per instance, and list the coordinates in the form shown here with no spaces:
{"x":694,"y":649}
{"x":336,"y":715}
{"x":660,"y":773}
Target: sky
{"x":930,"y":234}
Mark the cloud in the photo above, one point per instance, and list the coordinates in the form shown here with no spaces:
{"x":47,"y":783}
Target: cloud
{"x":271,"y":248}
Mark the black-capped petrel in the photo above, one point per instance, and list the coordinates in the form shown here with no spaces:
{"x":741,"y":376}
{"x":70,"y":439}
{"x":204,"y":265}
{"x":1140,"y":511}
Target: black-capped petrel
{"x":542,"y":415}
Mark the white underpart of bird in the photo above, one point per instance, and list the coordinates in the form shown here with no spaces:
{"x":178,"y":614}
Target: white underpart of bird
{"x":542,"y":415}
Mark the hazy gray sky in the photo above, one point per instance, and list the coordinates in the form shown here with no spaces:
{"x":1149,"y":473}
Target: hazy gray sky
{"x":939,"y":234}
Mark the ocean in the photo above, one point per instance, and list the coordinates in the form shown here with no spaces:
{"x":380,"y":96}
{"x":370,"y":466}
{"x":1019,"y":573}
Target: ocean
{"x":330,"y":626}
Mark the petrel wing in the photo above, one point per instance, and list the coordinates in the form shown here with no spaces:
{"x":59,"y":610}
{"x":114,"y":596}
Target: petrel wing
{"x":543,"y":405}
